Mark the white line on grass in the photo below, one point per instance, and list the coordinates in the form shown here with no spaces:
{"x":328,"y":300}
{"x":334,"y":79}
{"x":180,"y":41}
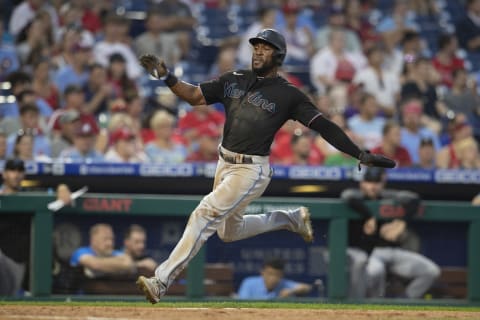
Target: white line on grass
{"x":61,"y":317}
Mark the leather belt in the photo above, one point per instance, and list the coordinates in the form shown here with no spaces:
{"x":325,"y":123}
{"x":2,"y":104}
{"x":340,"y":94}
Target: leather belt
{"x":236,"y":159}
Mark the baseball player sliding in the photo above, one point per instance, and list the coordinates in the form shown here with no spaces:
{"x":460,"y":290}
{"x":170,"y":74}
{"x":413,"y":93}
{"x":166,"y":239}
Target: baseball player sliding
{"x":257,"y":103}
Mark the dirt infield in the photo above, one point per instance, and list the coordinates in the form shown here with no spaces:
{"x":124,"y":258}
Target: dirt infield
{"x":16,"y":312}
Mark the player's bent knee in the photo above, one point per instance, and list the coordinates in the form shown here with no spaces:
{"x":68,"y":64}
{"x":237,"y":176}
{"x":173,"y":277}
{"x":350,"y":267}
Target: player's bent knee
{"x":224,"y":237}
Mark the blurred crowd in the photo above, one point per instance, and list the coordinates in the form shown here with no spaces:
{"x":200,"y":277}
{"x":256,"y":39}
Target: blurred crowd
{"x":72,"y":90}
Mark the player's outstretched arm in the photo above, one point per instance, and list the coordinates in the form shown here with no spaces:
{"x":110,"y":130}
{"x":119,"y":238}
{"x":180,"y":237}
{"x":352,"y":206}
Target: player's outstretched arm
{"x":156,"y":67}
{"x":338,"y":138}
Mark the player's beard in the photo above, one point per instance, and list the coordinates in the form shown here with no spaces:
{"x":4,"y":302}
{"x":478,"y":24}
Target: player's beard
{"x":265,"y":69}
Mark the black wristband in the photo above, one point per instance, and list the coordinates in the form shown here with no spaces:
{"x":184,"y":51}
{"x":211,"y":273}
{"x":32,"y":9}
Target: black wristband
{"x":170,"y":80}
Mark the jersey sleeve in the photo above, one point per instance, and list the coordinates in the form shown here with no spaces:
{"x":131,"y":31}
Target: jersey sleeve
{"x":303,"y":109}
{"x":213,"y":90}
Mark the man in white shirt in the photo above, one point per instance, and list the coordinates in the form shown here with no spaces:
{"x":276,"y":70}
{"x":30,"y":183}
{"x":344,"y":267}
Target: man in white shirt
{"x":26,"y":11}
{"x":378,"y":81}
{"x":114,"y":35}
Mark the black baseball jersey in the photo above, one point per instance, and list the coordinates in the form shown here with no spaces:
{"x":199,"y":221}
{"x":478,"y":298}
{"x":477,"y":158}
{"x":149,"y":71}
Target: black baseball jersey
{"x":256,"y":108}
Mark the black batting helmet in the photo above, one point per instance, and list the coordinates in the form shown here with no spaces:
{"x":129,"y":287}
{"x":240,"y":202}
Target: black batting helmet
{"x":275,"y":39}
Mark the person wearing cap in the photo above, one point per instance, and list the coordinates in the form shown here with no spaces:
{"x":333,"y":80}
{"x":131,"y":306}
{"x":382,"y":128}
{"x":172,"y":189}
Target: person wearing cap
{"x":73,"y":100}
{"x":258,"y":102}
{"x":12,"y":175}
{"x":83,"y":147}
{"x":76,"y":71}
{"x":69,"y":122}
{"x":413,"y":130}
{"x":265,"y":19}
{"x":208,"y":138}
{"x":426,"y":155}
{"x":29,"y":122}
{"x":390,"y":244}
{"x":122,"y":147}
{"x":197,"y":117}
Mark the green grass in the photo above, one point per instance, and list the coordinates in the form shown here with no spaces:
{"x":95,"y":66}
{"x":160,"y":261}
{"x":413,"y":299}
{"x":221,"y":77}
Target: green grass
{"x":249,"y":304}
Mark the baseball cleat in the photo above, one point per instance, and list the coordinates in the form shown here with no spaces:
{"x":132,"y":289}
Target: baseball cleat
{"x":151,"y":287}
{"x":305,"y":230}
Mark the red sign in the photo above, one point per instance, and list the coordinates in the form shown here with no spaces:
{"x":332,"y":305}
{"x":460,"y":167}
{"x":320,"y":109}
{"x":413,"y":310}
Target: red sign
{"x":107,"y":205}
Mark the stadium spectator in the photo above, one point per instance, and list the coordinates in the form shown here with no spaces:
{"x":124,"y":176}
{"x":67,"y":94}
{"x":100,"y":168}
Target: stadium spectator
{"x":134,"y":242}
{"x":122,"y":147}
{"x":445,"y":60}
{"x":299,"y":40}
{"x":458,"y":129}
{"x":163,"y":149}
{"x":385,"y":241}
{"x":463,"y":98}
{"x":155,"y":40}
{"x":394,"y":25}
{"x":188,"y":124}
{"x":367,"y":125}
{"x":34,"y":42}
{"x":3,"y":145}
{"x":97,"y":90}
{"x":26,"y":97}
{"x":179,"y":21}
{"x":418,"y":84}
{"x":357,"y":21}
{"x":23,"y":148}
{"x":426,"y":154}
{"x":468,"y":27}
{"x":25,"y":12}
{"x":378,"y":81}
{"x":122,"y":86}
{"x":303,"y":151}
{"x":332,"y":65}
{"x":8,"y":56}
{"x":266,"y":19}
{"x":69,"y":39}
{"x":13,"y":174}
{"x":70,"y":123}
{"x":281,"y":150}
{"x":74,"y":99}
{"x":226,"y":61}
{"x":412,"y":47}
{"x":476,"y":200}
{"x":271,"y":284}
{"x":43,"y":85}
{"x":19,"y":82}
{"x":337,"y":21}
{"x":100,"y":258}
{"x":29,"y":123}
{"x":413,"y":131}
{"x":83,"y":147}
{"x":391,"y":146}
{"x":74,"y":72}
{"x":333,"y":157}
{"x":207,"y":143}
{"x":115,"y":32}
{"x":468,"y":155}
